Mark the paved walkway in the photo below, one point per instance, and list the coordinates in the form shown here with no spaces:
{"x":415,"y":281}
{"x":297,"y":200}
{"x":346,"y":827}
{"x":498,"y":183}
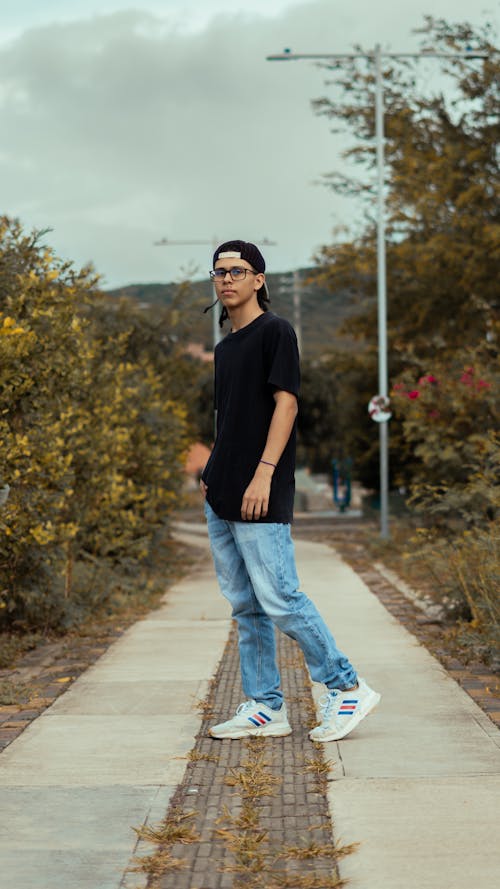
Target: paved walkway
{"x":417,"y":784}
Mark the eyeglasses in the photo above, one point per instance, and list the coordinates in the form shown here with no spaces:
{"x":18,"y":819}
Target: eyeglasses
{"x":237,"y":274}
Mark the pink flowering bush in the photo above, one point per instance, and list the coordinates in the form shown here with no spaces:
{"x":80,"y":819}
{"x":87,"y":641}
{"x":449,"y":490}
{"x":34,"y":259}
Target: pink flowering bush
{"x":449,"y":427}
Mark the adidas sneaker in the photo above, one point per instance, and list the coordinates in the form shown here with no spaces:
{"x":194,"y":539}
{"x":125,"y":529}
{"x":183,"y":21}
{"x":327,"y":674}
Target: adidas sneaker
{"x":342,"y":711}
{"x":253,"y":718}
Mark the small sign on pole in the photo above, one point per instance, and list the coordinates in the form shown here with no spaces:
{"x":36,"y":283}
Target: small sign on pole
{"x":379,"y":408}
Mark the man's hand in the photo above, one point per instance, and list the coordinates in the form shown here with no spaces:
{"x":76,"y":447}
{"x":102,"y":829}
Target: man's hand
{"x":203,"y":487}
{"x":255,"y":501}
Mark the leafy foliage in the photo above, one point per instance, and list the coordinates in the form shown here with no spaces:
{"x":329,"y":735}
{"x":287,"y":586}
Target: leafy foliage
{"x":443,"y":243}
{"x":91,"y":442}
{"x":451,"y":422}
{"x":441,"y":195}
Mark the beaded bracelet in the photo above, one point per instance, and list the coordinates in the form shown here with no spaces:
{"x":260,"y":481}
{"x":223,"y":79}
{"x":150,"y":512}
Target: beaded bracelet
{"x":268,"y":463}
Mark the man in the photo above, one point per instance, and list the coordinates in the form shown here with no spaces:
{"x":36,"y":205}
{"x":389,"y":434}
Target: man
{"x":248,"y":484}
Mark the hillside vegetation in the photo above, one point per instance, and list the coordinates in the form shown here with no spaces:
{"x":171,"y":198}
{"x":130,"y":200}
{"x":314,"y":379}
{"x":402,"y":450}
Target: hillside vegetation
{"x":323,"y":311}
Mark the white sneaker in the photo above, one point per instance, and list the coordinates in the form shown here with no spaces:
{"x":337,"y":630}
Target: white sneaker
{"x":252,"y":718}
{"x":342,"y":711}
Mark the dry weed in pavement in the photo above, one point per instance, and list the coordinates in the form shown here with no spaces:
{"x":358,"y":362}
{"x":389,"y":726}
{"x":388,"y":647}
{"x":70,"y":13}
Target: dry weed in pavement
{"x":196,"y":756}
{"x":176,"y":827}
{"x":156,"y":865}
{"x":253,"y":779}
{"x":317,"y":850}
{"x":319,"y":768}
{"x":205,"y":706}
{"x":305,"y":881}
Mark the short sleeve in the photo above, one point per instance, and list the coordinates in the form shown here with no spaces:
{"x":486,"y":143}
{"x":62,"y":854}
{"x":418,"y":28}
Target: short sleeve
{"x":282,"y":356}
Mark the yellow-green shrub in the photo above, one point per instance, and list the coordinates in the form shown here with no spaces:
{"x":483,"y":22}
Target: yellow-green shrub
{"x":90,"y":444}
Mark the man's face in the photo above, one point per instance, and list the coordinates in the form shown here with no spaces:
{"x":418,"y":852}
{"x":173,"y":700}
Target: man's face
{"x":234,"y":294}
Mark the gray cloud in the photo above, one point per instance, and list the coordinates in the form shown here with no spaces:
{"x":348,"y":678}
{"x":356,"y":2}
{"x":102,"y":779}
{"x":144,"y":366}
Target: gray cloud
{"x":118,"y":130}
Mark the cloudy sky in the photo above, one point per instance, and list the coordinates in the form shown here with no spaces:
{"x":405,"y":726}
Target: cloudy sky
{"x":127,"y":121}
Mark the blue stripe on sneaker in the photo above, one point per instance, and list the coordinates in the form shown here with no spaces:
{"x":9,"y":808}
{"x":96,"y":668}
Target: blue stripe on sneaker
{"x":259,"y":718}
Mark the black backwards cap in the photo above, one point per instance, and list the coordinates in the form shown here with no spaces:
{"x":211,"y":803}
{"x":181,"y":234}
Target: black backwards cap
{"x":251,"y":254}
{"x":241,"y":250}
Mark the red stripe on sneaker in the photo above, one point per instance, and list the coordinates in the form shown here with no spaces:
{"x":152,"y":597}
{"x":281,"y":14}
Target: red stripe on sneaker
{"x":259,"y":718}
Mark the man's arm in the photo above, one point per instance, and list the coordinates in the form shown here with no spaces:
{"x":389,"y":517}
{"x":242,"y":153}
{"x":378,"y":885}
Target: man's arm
{"x":255,"y":501}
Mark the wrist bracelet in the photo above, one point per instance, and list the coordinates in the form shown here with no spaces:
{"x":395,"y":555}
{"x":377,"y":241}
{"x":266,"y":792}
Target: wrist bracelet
{"x":268,"y":463}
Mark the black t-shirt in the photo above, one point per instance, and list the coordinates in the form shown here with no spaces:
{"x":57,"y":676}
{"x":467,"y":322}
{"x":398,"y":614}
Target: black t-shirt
{"x":250,"y":365}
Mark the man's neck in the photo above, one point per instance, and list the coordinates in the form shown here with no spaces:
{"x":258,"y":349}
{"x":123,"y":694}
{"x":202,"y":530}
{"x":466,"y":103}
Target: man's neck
{"x":242,"y":317}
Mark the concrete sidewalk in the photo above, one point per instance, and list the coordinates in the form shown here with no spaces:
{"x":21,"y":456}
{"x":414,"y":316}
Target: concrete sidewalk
{"x":110,"y":752}
{"x":417,"y":784}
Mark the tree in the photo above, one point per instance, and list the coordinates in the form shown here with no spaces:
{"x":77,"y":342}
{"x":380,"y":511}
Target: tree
{"x":442,"y":186}
{"x":442,"y":197}
{"x":159,"y":333}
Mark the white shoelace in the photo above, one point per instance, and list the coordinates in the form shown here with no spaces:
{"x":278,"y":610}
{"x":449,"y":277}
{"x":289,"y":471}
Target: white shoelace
{"x":246,"y":705}
{"x":326,"y":703}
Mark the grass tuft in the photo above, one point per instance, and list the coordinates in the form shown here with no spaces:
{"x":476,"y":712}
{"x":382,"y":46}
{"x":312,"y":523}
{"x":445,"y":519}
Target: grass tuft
{"x":317,"y":850}
{"x":196,"y":756}
{"x":175,"y":828}
{"x":305,"y":881}
{"x":205,"y":708}
{"x":157,"y":864}
{"x":317,"y":766}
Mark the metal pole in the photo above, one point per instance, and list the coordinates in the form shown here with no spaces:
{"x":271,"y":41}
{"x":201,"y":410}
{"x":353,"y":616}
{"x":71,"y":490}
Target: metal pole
{"x":297,"y":318}
{"x":381,"y":295}
{"x":216,"y":330}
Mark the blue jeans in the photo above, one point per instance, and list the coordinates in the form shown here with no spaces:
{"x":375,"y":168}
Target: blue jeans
{"x":255,"y":567}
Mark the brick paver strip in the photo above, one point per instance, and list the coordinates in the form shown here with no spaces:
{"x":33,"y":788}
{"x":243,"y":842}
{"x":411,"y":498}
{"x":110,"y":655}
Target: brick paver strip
{"x":297,"y":813}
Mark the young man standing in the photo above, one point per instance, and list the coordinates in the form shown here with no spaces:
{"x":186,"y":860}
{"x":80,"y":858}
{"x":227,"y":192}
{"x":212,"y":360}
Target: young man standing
{"x":248,"y":484}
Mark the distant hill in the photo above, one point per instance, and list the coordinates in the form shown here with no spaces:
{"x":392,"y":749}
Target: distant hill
{"x":322,"y":312}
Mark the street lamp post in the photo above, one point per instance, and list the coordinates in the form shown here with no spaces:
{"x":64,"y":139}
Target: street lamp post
{"x":383,"y":382}
{"x":291,"y":284}
{"x":377,"y":55}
